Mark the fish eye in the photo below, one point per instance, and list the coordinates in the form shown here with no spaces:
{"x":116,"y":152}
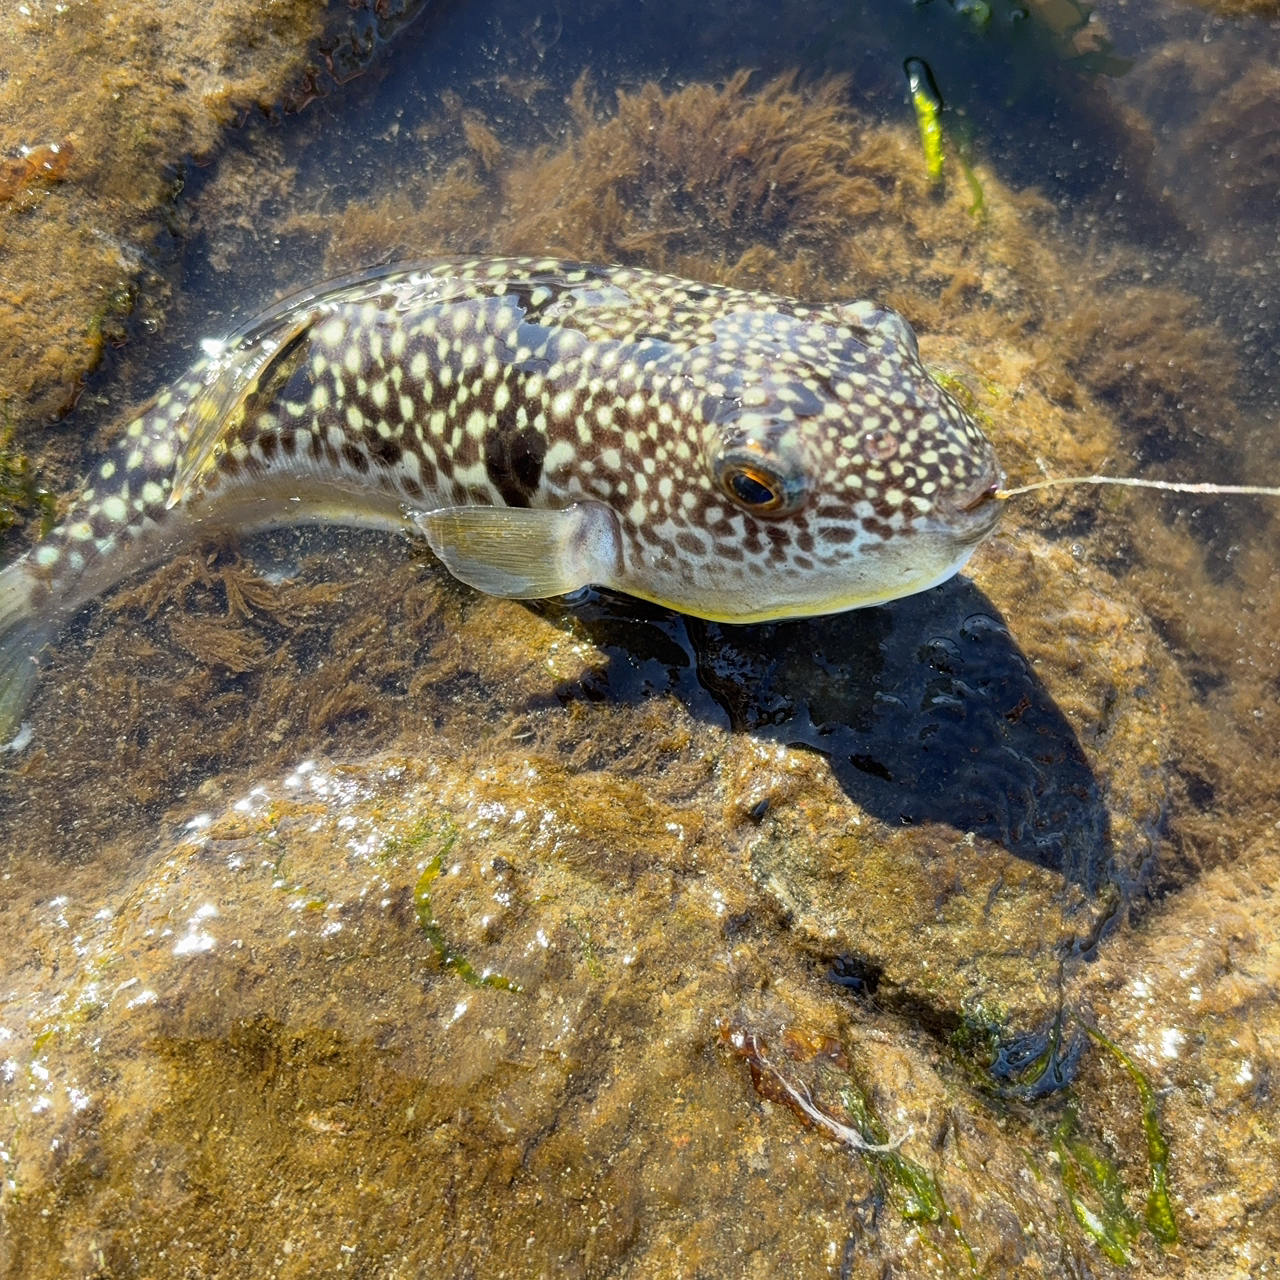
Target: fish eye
{"x":753,"y":489}
{"x":757,"y":488}
{"x":880,"y":446}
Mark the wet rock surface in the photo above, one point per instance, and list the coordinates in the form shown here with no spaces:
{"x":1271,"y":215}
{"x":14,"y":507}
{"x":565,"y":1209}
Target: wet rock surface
{"x":355,"y":923}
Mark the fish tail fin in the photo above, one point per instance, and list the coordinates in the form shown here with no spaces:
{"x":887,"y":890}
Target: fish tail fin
{"x":24,"y":632}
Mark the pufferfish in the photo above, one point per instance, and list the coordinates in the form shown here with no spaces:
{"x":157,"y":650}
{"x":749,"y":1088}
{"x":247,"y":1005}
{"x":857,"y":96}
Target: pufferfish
{"x":546,"y":425}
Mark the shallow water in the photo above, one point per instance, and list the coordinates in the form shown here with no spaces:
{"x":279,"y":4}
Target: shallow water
{"x":357,"y":922}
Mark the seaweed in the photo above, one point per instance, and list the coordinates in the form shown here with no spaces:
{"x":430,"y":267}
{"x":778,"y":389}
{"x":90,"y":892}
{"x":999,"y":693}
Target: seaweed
{"x":1235,"y":149}
{"x":589,"y":954}
{"x":121,"y":99}
{"x":1032,"y":1066}
{"x":1078,"y":37}
{"x":785,"y":186}
{"x":928,"y":104}
{"x":1158,"y":1215}
{"x":928,"y":107}
{"x":21,"y":496}
{"x":1241,"y":8}
{"x":1111,"y":1226}
{"x":1087,"y":1173}
{"x":449,"y":956}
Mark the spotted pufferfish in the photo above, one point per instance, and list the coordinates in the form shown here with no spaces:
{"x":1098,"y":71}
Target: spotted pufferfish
{"x":546,"y":425}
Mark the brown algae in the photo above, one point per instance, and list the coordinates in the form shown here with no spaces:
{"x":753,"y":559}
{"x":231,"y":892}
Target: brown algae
{"x":102,"y":108}
{"x":127,"y":94}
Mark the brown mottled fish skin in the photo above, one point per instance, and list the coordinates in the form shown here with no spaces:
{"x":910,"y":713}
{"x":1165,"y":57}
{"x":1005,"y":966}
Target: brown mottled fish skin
{"x":737,"y":455}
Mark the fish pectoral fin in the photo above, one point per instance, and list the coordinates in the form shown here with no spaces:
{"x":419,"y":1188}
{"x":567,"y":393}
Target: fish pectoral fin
{"x":522,"y":553}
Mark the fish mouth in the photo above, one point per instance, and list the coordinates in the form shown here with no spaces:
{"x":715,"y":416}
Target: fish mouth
{"x":977,"y":508}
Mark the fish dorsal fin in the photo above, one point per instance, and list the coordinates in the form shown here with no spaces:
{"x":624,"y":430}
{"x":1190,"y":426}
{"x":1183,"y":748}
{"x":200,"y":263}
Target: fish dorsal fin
{"x":522,"y":553}
{"x":230,"y":378}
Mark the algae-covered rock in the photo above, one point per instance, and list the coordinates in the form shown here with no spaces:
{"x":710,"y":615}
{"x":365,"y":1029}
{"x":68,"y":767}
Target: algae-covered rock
{"x":101,"y":108}
{"x":1194,"y":998}
{"x":265,"y":1053}
{"x":124,"y":93}
{"x":282,"y":1045}
{"x":1029,"y":804}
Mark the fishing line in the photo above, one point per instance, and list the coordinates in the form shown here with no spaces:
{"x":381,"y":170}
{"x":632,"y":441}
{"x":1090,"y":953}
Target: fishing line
{"x":1169,"y":486}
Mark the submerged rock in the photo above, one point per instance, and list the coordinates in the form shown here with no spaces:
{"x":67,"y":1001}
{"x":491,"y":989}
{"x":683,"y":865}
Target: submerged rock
{"x":264,"y":1061}
{"x":258,"y":1058}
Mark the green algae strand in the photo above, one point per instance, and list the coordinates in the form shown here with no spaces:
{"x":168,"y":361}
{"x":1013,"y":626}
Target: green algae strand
{"x":451,"y":958}
{"x":928,"y":108}
{"x":1111,"y":1226}
{"x":1159,"y":1215}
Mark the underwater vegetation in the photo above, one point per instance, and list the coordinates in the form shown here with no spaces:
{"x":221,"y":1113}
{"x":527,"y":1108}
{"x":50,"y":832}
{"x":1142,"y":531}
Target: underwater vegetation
{"x":588,"y":1109}
{"x":929,"y":106}
{"x":789,"y":190}
{"x":915,"y":1191}
{"x":1240,"y":8}
{"x":1041,"y":32}
{"x":1238,"y":141}
{"x":20,"y":496}
{"x":812,"y":1076}
{"x":927,"y":102}
{"x":92,"y":215}
{"x":426,"y":919}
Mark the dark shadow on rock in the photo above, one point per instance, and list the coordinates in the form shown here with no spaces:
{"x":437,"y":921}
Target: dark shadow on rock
{"x":926,"y":707}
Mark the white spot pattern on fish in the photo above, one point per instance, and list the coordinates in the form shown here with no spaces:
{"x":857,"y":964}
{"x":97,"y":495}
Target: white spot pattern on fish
{"x":737,"y":455}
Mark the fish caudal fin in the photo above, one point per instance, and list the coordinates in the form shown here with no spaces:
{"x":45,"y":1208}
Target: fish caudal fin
{"x":24,"y":632}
